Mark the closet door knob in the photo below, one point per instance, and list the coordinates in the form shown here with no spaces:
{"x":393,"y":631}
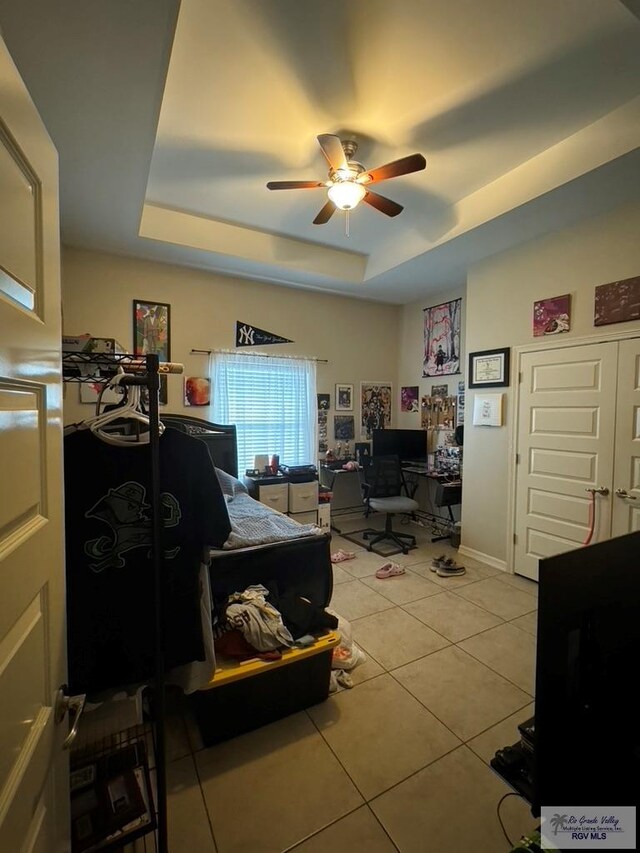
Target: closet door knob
{"x":74,"y":706}
{"x":622,"y":493}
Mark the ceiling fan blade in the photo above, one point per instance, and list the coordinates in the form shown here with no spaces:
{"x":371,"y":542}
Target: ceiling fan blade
{"x":403,"y":166}
{"x":333,"y":151}
{"x":294,"y":185}
{"x":384,"y":205}
{"x":325,"y":214}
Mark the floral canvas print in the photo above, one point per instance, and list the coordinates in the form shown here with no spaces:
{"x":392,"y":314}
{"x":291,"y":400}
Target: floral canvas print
{"x":441,"y":355}
{"x":551,"y":316}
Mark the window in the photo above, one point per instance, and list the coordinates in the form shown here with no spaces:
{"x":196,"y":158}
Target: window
{"x":272,"y":402}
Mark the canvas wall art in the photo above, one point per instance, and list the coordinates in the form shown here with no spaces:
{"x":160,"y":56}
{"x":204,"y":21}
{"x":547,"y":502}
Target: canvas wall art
{"x":344,"y":427}
{"x":324,"y":402}
{"x":552,"y":316}
{"x":409,"y":398}
{"x":439,"y":390}
{"x":617,"y":302}
{"x":375,"y":407}
{"x":442,"y":339}
{"x":197,"y":391}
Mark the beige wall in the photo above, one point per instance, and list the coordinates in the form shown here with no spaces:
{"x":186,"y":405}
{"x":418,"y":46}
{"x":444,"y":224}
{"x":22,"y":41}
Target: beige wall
{"x":358,"y":338}
{"x":500,"y":295}
{"x":411,"y":353}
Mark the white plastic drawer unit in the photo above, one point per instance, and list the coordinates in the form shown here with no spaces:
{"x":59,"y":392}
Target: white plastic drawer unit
{"x":303,"y":497}
{"x":276,"y":496}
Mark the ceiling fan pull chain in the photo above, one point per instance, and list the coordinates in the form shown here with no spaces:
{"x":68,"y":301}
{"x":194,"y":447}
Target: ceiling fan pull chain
{"x":346,"y":223}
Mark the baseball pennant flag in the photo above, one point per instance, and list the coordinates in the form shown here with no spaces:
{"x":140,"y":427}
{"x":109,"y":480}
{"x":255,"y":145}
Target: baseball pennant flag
{"x":251,"y":336}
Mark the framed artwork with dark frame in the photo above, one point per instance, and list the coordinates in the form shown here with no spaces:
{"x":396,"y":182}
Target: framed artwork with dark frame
{"x":151,"y":329}
{"x":344,"y":398}
{"x":489,"y":368}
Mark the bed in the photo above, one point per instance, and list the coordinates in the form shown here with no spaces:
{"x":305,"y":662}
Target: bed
{"x":301,"y":562}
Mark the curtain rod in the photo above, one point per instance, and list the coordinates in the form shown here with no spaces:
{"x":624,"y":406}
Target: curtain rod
{"x":258,"y":355}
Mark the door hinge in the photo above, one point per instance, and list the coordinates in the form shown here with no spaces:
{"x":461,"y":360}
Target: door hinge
{"x":520,"y":376}
{"x":515,"y":538}
{"x":517,"y":458}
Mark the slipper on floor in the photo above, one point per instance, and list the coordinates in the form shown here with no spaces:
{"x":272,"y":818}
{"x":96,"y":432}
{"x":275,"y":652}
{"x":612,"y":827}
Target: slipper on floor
{"x":389,"y":570}
{"x":340,"y":556}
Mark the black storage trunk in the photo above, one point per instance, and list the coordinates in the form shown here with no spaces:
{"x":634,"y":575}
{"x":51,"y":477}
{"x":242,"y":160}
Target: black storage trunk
{"x":240,"y":706}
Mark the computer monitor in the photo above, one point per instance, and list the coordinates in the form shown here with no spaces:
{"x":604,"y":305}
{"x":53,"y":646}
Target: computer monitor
{"x":587,"y":743}
{"x":408,"y":444}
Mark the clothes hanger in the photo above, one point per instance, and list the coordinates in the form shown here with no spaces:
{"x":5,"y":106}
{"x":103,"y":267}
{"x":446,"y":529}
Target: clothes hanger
{"x":130,"y":410}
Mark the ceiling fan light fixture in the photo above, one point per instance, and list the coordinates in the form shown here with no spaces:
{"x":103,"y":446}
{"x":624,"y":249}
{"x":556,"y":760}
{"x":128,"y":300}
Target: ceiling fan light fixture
{"x":346,"y":194}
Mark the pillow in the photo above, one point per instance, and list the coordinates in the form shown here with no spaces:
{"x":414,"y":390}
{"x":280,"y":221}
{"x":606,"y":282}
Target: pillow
{"x":230,"y":485}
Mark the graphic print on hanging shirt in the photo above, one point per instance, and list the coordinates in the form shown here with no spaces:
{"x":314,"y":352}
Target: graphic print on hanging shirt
{"x":125,"y":511}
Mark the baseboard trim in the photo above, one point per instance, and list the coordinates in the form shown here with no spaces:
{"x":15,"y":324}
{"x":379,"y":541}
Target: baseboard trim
{"x":483,"y":558}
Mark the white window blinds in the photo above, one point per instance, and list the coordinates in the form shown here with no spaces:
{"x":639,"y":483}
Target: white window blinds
{"x":272,"y":402}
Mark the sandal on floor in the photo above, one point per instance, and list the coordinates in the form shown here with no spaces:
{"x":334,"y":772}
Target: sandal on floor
{"x":389,"y":570}
{"x":340,"y":556}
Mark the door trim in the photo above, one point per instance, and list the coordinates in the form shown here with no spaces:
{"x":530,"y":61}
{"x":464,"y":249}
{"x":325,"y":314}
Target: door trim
{"x":512,"y":470}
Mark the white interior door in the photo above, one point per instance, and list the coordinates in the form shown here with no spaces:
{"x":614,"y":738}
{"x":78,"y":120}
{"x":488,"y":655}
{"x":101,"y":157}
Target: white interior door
{"x":33,"y":773}
{"x":565,"y":446}
{"x":626,"y":481}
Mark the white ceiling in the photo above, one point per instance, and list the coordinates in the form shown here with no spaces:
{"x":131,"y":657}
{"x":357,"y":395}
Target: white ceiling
{"x":170,"y":122}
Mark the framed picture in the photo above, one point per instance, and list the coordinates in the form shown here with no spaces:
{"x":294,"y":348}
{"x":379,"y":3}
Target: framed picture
{"x":552,"y":316}
{"x":344,"y":398}
{"x":324,"y":402}
{"x":489,"y":368}
{"x":441,"y":355}
{"x":344,"y":427}
{"x":151,"y":329}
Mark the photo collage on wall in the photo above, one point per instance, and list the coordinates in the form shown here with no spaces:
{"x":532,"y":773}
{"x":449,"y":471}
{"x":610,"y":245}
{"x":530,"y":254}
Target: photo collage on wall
{"x":323,"y":414}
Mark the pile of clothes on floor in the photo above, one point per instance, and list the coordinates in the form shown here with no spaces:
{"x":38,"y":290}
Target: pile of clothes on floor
{"x":261,"y":621}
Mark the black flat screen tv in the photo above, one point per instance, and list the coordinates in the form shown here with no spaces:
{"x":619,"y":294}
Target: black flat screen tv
{"x":587,"y":716}
{"x":408,"y":444}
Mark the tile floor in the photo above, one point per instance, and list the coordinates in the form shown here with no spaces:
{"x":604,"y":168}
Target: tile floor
{"x":398,"y":763}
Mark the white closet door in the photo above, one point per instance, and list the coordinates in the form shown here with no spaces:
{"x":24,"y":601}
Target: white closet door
{"x":34,"y":780}
{"x":626,"y":500}
{"x":565,"y":446}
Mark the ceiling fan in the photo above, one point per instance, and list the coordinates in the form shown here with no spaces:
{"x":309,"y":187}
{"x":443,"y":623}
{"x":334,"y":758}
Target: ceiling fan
{"x":349,"y":181}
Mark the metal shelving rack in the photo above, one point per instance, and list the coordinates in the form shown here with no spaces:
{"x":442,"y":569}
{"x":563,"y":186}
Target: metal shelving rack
{"x":99,"y":368}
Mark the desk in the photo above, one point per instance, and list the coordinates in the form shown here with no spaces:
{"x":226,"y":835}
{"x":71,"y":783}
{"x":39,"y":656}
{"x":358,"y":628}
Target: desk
{"x":445,"y":492}
{"x":346,"y":490}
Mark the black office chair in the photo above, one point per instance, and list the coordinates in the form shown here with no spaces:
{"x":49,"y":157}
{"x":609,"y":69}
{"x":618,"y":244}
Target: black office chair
{"x":382,"y":489}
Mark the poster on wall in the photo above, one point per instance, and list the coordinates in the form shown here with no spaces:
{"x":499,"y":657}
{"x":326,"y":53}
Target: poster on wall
{"x":344,"y":427}
{"x":460,"y":409}
{"x":324,"y":402}
{"x":409,"y":398}
{"x":442,"y":339}
{"x":552,"y":316}
{"x":322,"y":431}
{"x":375,"y":407}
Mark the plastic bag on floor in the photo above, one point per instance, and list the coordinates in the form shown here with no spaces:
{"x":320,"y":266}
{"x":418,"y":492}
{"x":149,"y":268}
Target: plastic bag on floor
{"x":347,"y":654}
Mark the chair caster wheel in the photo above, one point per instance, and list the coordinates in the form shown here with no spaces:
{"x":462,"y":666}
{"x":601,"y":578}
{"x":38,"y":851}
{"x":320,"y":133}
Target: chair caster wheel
{"x":370,"y":548}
